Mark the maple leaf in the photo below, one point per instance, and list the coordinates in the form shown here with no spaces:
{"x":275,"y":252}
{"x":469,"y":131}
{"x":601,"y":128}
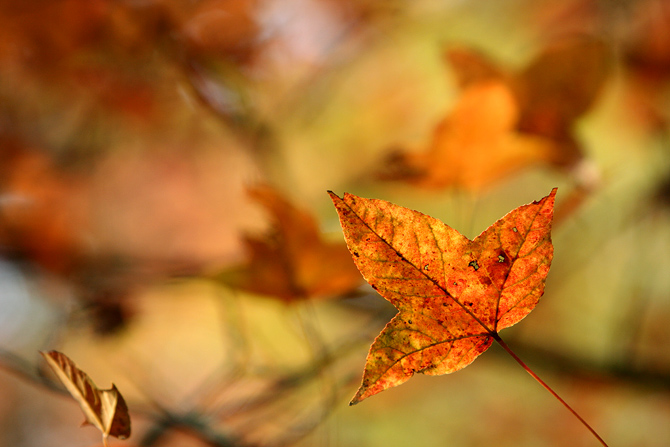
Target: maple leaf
{"x":453,"y":295}
{"x":105,"y":409}
{"x":292,"y":261}
{"x":503,"y":121}
{"x":474,"y":146}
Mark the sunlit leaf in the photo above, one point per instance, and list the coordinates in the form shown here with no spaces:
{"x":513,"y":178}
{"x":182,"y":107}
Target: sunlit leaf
{"x":453,"y":295}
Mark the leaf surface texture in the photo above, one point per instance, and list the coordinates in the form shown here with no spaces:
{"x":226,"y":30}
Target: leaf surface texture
{"x":453,"y":295}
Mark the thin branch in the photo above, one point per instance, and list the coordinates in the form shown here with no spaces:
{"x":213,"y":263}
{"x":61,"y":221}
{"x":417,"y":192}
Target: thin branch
{"x":548,"y":388}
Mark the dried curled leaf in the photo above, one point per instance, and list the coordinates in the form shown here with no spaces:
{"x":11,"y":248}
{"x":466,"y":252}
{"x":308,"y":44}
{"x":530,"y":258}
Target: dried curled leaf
{"x":105,"y":409}
{"x":453,"y":295}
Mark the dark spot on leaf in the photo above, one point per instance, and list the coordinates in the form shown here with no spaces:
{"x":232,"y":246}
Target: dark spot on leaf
{"x":409,"y":321}
{"x":485,"y":280}
{"x":474,"y":265}
{"x":373,"y":286}
{"x":356,"y":254}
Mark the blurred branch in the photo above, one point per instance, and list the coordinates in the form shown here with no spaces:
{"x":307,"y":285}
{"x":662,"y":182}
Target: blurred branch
{"x":192,"y":424}
{"x":27,"y":371}
{"x":586,"y":368}
{"x":200,"y":425}
{"x":225,"y":98}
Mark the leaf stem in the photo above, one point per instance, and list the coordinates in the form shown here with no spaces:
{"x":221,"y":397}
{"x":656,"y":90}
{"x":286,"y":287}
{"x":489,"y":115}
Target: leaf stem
{"x":547,"y":387}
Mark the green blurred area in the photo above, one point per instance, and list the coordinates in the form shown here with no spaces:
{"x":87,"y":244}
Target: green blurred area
{"x":130,"y":133}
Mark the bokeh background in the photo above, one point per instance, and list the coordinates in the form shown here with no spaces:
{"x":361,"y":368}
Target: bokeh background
{"x":164,"y":218}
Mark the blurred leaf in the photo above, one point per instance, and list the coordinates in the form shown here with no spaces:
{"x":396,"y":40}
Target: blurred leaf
{"x":474,"y":146}
{"x":558,"y":87}
{"x":471,"y":67}
{"x":222,"y":28}
{"x":104,"y":409}
{"x":46,"y":218}
{"x":292,"y":261}
{"x":648,"y":47}
{"x":647,"y":57}
{"x":504,"y":122}
{"x":34,"y":32}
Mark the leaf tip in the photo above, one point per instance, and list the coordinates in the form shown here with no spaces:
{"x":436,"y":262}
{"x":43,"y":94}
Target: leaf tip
{"x":552,"y":197}
{"x":50,"y":356}
{"x":548,"y":199}
{"x":361,"y":395}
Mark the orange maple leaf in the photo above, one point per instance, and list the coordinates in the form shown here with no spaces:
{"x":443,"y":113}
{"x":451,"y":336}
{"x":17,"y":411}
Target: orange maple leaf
{"x":453,"y":295}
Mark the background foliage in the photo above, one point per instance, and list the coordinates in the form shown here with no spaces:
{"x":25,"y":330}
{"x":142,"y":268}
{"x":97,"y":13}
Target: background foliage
{"x":164,"y":220}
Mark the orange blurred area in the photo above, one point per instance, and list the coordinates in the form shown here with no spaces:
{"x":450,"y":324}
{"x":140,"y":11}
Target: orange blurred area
{"x":164,"y":219}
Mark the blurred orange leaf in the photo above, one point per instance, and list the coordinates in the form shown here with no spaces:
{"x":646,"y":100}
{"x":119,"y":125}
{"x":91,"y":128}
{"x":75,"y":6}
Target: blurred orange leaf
{"x":558,"y":87}
{"x":453,"y":295}
{"x":104,"y":409}
{"x":292,"y":261}
{"x":46,"y":217}
{"x":503,"y":122}
{"x":474,"y":146}
{"x":223,"y":28}
{"x":646,"y":52}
